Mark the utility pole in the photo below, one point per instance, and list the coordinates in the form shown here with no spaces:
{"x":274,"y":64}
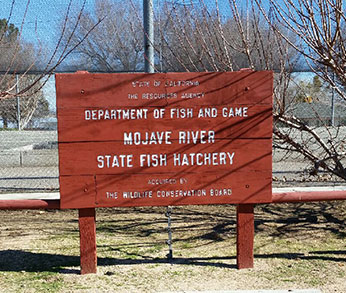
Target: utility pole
{"x":148,"y":23}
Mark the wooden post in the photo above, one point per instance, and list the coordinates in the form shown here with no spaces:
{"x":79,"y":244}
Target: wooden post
{"x":87,"y":235}
{"x":245,"y":236}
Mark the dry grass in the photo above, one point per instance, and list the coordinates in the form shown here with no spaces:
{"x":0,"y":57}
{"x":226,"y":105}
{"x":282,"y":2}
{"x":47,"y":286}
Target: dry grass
{"x":297,"y":246}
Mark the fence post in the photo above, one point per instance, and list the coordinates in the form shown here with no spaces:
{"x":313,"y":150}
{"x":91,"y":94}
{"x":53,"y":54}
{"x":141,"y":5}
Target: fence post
{"x":87,"y":236}
{"x":245,"y":236}
{"x":332,"y":118}
{"x":18,"y":104}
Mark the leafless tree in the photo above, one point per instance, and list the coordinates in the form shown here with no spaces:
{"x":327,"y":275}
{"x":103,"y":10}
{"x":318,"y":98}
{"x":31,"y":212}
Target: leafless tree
{"x":20,"y":111}
{"x":200,"y":36}
{"x":116,"y":44}
{"x":19,"y":57}
{"x":319,"y":27}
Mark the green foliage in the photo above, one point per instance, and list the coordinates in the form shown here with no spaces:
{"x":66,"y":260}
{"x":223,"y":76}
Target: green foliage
{"x":8,"y":32}
{"x":308,"y":92}
{"x":316,"y":84}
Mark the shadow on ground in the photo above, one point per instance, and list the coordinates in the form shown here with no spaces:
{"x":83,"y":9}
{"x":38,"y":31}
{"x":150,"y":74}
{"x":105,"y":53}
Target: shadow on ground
{"x":272,"y":219}
{"x":19,"y":261}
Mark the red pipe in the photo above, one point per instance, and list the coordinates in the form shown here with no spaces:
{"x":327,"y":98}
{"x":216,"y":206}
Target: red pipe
{"x":305,"y":196}
{"x":29,"y":204}
{"x":285,"y":197}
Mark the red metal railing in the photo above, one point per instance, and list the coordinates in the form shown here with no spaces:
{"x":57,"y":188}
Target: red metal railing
{"x":282,"y":197}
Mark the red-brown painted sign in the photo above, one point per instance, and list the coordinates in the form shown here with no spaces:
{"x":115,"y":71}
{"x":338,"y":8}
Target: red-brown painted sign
{"x":164,"y":139}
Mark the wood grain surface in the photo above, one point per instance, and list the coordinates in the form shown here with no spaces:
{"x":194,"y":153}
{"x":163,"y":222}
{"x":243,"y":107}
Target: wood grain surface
{"x":164,"y":139}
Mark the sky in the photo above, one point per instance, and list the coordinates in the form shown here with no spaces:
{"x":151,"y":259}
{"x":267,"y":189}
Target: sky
{"x":44,"y":16}
{"x":41,"y":24}
{"x":41,"y":19}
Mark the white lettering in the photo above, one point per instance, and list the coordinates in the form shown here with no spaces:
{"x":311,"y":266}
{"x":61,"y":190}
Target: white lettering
{"x":112,"y":195}
{"x":101,"y":162}
{"x":181,"y":193}
{"x":114,"y":161}
{"x":116,"y":114}
{"x":230,"y":156}
{"x":234,"y":112}
{"x":181,"y":113}
{"x":138,"y":138}
{"x":202,"y":136}
{"x":207,"y":112}
{"x":152,"y":160}
{"x":137,"y":194}
{"x":192,"y":95}
{"x":203,"y":159}
{"x":220,"y":192}
{"x":87,"y":115}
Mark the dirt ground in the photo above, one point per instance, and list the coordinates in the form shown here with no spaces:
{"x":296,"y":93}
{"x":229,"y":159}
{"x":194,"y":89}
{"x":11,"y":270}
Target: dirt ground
{"x":297,"y":246}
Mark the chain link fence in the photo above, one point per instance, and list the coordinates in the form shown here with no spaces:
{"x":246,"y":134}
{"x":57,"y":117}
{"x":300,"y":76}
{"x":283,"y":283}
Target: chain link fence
{"x":28,"y":140}
{"x":29,"y":150}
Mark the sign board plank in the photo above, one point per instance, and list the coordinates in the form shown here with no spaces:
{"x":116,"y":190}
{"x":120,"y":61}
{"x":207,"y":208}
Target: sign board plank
{"x":163,"y":89}
{"x":161,"y":139}
{"x":117,"y":158}
{"x":78,"y":124}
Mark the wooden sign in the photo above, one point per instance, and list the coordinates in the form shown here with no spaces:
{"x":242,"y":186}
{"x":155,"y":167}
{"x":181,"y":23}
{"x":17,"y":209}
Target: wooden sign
{"x":164,"y":139}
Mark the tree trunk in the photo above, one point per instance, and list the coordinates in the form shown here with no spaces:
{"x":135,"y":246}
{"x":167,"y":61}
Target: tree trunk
{"x":5,"y":123}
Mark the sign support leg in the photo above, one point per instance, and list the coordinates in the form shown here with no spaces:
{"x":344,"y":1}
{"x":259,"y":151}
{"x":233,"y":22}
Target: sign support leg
{"x":245,"y":236}
{"x":87,"y":236}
